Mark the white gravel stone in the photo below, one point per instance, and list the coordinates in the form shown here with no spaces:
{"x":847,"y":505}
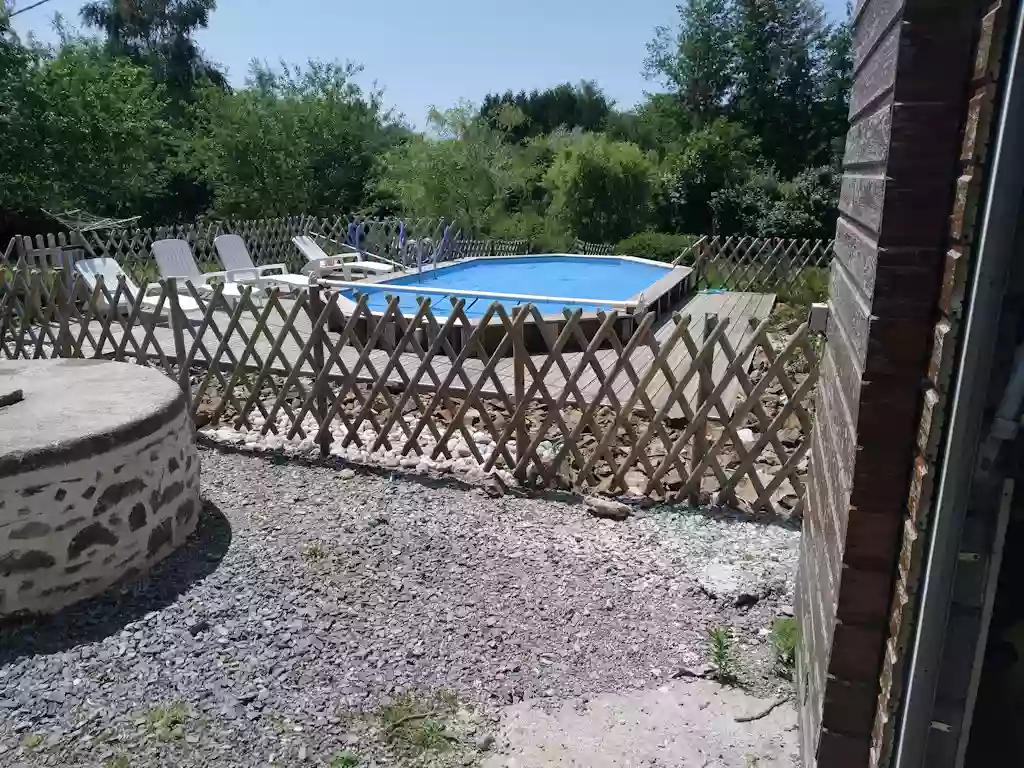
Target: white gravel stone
{"x":414,"y":588}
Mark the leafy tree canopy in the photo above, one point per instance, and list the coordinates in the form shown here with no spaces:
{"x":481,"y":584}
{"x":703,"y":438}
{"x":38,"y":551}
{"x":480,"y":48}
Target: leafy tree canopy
{"x":742,"y":135}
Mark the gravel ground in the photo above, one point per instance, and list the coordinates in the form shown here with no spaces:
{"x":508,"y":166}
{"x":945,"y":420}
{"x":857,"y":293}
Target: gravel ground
{"x":309,"y":595}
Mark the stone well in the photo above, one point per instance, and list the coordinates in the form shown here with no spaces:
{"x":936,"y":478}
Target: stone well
{"x":99,"y":478}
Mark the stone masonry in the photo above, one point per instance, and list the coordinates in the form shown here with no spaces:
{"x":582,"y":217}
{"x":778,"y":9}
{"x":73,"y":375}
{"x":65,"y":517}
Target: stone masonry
{"x":99,"y":479}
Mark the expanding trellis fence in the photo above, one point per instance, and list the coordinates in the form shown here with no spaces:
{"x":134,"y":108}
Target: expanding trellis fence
{"x":269,"y":242}
{"x":756,"y":263}
{"x":416,"y":384}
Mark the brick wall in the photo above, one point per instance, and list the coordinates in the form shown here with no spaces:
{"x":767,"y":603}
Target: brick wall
{"x":964,"y":625}
{"x":913,"y":65}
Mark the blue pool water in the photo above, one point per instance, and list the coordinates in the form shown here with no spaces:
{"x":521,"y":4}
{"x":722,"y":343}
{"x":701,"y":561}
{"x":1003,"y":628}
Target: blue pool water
{"x":579,"y":277}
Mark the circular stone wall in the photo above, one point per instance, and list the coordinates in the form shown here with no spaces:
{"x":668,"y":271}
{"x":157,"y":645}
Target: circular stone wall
{"x":99,"y":478}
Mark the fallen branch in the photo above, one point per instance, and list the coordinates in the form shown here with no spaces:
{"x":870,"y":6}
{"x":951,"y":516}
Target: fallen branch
{"x":409,"y":718}
{"x":764,"y":712}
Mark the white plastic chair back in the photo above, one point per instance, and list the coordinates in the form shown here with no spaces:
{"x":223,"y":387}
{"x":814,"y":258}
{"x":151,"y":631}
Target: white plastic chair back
{"x":174,"y":259}
{"x":233,"y":253}
{"x":107,"y":268}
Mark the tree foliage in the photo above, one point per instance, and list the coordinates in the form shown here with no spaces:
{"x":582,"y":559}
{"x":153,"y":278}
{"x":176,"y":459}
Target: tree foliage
{"x":743,"y":136}
{"x":158,"y":34}
{"x":601,"y":189}
{"x":463,"y":173}
{"x":525,"y":115}
{"x":82,"y":129}
{"x":774,"y":66}
{"x":293,"y":140}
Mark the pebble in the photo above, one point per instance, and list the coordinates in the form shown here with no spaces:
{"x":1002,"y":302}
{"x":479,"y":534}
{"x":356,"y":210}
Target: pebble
{"x":454,"y":590}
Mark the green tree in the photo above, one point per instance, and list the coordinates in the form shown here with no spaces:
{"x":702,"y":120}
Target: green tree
{"x":695,"y":60}
{"x":601,"y":189}
{"x":832,"y":105}
{"x":778,"y":46}
{"x":773,"y":66}
{"x":462,"y":171}
{"x":84,"y":130}
{"x":717,"y":157}
{"x":295,"y":139}
{"x":20,"y":102}
{"x":565,"y":106}
{"x":158,"y":33}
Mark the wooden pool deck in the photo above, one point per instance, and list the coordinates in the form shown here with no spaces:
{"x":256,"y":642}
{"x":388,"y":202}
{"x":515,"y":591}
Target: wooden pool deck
{"x":740,"y":308}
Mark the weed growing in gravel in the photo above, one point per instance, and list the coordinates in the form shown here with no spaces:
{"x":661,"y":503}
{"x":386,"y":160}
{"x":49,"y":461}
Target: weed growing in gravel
{"x":118,"y":761}
{"x":32,"y":741}
{"x":168,"y":723}
{"x":784,"y":637}
{"x":723,"y":657}
{"x":429,"y":736}
{"x":344,"y":760}
{"x":411,"y":723}
{"x":314,"y":553}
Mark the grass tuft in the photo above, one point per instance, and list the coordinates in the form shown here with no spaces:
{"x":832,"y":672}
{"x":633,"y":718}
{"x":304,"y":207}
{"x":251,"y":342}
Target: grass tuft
{"x":32,"y":741}
{"x":722,"y":655}
{"x":314,"y":553}
{"x":784,"y":638}
{"x":168,"y":723}
{"x":345,"y":760}
{"x":414,"y":723}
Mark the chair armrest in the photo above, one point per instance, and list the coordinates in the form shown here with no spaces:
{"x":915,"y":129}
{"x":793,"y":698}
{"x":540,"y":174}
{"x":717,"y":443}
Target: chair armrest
{"x":327,"y":264}
{"x":222,"y":275}
{"x":280,"y":269}
{"x":241,"y":275}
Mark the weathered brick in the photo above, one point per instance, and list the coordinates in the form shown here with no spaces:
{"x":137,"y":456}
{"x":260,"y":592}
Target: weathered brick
{"x":857,"y":651}
{"x":920,"y":498}
{"x":987,"y":57}
{"x":911,"y":555}
{"x":836,"y":750}
{"x":864,"y":595}
{"x":964,"y":203}
{"x":954,"y":278}
{"x":849,"y":706}
{"x":979,"y":113}
{"x":929,"y":429}
{"x":940,"y":365}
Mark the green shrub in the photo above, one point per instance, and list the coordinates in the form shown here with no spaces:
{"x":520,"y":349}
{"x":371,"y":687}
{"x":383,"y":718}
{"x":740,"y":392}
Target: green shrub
{"x":601,"y":190}
{"x":659,"y":246}
{"x":784,"y":638}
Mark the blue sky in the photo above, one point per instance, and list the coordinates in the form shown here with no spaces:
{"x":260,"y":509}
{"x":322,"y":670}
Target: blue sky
{"x":434,"y":53}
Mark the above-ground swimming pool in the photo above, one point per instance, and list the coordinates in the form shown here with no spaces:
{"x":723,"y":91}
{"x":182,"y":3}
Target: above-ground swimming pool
{"x":591,"y":282}
{"x":551,"y":283}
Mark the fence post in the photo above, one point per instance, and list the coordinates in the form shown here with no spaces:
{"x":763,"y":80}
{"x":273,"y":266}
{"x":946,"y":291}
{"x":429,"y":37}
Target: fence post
{"x":316,"y":308}
{"x":704,"y":387}
{"x":519,"y":386}
{"x":178,"y":330}
{"x":65,"y":311}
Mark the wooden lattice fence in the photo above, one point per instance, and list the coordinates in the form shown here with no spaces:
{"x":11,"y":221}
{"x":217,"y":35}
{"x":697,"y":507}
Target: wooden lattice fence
{"x":464,"y":249}
{"x":756,"y":263}
{"x":592,"y":249}
{"x":416,"y":386}
{"x":269,"y":242}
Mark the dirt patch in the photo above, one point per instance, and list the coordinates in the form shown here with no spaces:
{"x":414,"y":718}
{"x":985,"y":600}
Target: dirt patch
{"x":678,"y":724}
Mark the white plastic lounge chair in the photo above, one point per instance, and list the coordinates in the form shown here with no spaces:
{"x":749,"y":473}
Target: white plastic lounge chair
{"x":174,"y":259}
{"x":324,"y":264}
{"x":240,"y":267}
{"x":111,"y":272}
